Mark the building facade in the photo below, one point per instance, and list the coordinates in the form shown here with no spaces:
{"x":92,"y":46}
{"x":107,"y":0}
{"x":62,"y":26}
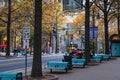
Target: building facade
{"x":72,"y":4}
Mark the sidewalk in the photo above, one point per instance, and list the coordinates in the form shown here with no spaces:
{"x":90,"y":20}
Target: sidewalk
{"x":107,"y":70}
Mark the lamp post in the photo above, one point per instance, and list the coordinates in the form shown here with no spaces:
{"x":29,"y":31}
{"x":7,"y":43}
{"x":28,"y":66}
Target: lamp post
{"x":67,"y":41}
{"x":94,"y":28}
{"x":56,"y":50}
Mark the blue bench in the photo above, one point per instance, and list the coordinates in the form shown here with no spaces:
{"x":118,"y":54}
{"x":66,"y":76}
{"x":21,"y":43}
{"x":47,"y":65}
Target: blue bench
{"x":11,"y":76}
{"x":57,"y":65}
{"x":105,"y":56}
{"x":23,"y":52}
{"x":78,"y":62}
{"x":97,"y":58}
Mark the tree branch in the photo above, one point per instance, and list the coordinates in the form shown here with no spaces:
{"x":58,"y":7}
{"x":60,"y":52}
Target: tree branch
{"x":113,"y":16}
{"x":110,"y":6}
{"x":3,"y":20}
{"x":99,"y":6}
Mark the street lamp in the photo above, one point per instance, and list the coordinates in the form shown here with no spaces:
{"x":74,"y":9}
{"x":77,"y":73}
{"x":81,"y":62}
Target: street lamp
{"x":67,"y":41}
{"x":93,"y":28}
{"x":56,"y":50}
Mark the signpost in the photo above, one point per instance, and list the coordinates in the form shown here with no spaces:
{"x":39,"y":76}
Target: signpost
{"x":26,"y":37}
{"x":26,"y":32}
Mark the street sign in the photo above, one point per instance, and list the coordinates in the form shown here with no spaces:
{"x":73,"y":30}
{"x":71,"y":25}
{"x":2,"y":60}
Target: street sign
{"x":73,"y":28}
{"x":26,"y":44}
{"x":26,"y":32}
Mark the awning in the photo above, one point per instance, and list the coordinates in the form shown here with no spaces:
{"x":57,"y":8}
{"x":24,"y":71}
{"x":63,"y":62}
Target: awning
{"x":3,"y":45}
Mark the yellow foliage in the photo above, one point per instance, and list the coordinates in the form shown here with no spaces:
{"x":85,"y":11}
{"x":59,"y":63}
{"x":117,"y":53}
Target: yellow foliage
{"x":52,"y":15}
{"x":79,"y":20}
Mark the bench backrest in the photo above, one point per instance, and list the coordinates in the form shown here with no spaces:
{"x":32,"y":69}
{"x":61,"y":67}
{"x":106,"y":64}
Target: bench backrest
{"x":54,"y":64}
{"x":74,"y":60}
{"x":97,"y":57}
{"x":10,"y":75}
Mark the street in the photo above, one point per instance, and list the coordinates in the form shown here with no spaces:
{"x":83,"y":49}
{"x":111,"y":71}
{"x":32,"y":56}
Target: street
{"x":18,"y":64}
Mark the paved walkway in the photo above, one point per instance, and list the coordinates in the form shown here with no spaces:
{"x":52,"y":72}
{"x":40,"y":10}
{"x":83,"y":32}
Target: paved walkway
{"x":107,"y":70}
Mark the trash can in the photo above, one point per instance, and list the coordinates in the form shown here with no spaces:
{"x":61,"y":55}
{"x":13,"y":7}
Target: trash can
{"x":68,"y":59}
{"x":11,"y":76}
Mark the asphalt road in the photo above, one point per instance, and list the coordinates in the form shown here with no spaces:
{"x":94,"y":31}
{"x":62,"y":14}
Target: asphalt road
{"x":18,"y":64}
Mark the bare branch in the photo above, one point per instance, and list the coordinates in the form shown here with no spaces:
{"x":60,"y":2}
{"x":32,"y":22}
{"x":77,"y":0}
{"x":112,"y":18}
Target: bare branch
{"x":3,"y":20}
{"x":113,"y":16}
{"x":15,"y":9}
{"x":99,"y":6}
{"x":110,"y":6}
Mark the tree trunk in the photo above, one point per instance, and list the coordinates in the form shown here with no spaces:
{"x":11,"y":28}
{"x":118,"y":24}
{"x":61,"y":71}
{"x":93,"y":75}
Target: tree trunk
{"x":106,"y":28}
{"x":106,"y":34}
{"x":118,"y":18}
{"x":37,"y":64}
{"x":118,"y":23}
{"x":87,"y":42}
{"x":8,"y":29}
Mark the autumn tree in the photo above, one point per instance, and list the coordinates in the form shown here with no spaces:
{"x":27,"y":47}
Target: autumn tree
{"x":87,"y":26}
{"x":78,"y":23}
{"x":8,"y":18}
{"x":105,"y":7}
{"x":115,"y":8}
{"x":53,"y":19}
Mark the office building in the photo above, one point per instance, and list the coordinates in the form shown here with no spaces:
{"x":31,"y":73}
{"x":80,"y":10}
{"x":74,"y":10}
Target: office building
{"x":72,"y":4}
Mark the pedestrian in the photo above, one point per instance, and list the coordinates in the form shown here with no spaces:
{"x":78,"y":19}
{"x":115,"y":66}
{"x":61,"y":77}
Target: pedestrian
{"x":91,"y":54}
{"x":15,"y":51}
{"x":80,"y":54}
{"x":74,"y":52}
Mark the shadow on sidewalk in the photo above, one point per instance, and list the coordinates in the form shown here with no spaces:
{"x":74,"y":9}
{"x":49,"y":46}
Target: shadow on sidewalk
{"x":59,"y":72}
{"x":113,"y":58}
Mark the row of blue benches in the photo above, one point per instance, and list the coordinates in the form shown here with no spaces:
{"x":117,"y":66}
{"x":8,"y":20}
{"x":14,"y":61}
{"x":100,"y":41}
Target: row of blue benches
{"x":75,"y":62}
{"x":65,"y":65}
{"x":55,"y":65}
